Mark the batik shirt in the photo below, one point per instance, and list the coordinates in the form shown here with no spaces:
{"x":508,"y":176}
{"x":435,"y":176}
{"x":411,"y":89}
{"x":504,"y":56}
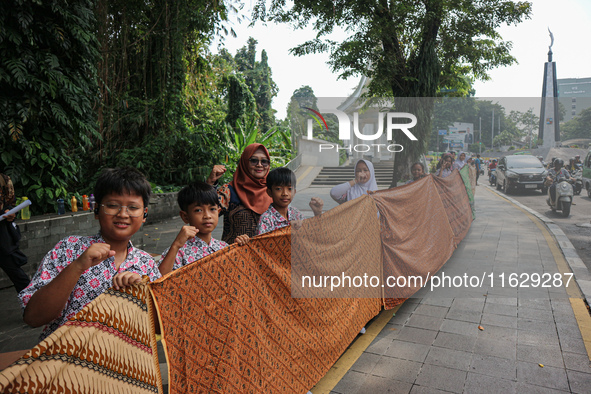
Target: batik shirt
{"x":272,"y":219}
{"x":193,"y":250}
{"x":92,"y":283}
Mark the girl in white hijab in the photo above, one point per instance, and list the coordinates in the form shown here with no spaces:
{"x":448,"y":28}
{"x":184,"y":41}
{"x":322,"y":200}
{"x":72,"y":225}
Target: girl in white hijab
{"x":460,"y":162}
{"x":364,"y":181}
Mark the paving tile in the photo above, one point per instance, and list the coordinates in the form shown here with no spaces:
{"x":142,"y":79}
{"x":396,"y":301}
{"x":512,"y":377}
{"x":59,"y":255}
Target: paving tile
{"x":416,"y":389}
{"x":417,"y":335}
{"x":494,"y":366}
{"x":579,"y":382}
{"x":536,"y":314}
{"x":577,"y":362}
{"x":459,"y":327}
{"x":496,"y":348}
{"x":442,"y":378}
{"x":350,"y":383}
{"x":524,"y":388}
{"x":432,"y":310}
{"x":494,"y":299}
{"x":498,"y":320}
{"x":537,"y":338}
{"x":379,"y":346}
{"x":408,"y":351}
{"x":546,"y":355}
{"x":436,"y":301}
{"x":397,"y":369}
{"x":469,"y":304}
{"x":377,"y":384}
{"x":535,"y":303}
{"x":461,"y":315}
{"x":547,"y":377}
{"x":498,"y":333}
{"x":366,"y":363}
{"x":455,"y":341}
{"x":482,"y":384}
{"x":449,"y":358}
{"x":499,"y":309}
{"x":573,"y":345}
{"x":536,"y":325}
{"x":424,"y":321}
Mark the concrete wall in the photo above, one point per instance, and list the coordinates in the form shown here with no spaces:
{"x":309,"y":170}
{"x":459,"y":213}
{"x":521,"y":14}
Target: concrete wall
{"x":41,"y":233}
{"x":313,"y":156}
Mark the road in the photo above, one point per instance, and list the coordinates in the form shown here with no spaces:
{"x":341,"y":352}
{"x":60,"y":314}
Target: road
{"x":580,"y":215}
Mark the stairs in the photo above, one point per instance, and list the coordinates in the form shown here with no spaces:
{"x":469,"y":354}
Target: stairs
{"x":332,"y":176}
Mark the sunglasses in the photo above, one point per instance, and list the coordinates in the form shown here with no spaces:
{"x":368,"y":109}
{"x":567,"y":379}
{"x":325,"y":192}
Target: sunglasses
{"x":254,"y":162}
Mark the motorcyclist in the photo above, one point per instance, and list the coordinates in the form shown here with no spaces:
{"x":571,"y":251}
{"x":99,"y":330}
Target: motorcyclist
{"x":554,"y":175}
{"x":571,"y":165}
{"x":578,"y":161}
{"x":492,"y":166}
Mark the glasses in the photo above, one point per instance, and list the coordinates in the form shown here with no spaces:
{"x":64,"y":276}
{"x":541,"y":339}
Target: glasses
{"x":114,"y":209}
{"x":255,"y":162}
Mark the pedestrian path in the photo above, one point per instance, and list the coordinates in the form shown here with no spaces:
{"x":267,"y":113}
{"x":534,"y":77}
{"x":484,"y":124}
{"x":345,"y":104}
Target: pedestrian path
{"x":484,"y":339}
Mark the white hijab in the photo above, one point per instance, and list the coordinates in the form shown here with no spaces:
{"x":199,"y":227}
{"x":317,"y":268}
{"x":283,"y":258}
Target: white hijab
{"x":362,"y":188}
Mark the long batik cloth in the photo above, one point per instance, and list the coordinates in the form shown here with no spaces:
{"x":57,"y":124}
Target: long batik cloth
{"x":108,"y":347}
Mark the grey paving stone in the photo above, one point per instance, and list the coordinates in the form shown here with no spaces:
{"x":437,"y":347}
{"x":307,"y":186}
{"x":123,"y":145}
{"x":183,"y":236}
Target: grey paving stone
{"x":571,"y":331}
{"x":524,"y":388}
{"x":366,"y":363}
{"x":494,"y":366}
{"x":408,"y":351}
{"x":482,"y":384}
{"x":499,"y":309}
{"x":466,"y":316}
{"x":397,"y":369}
{"x":432,"y":310}
{"x":577,"y":362}
{"x":496,"y":348}
{"x":494,"y":299}
{"x":536,"y":325}
{"x":455,"y":341}
{"x":537,"y":338}
{"x":459,"y":327}
{"x":424,"y":321}
{"x":546,"y":355}
{"x":408,"y":308}
{"x":379,"y":346}
{"x":534,"y":303}
{"x":449,"y":358}
{"x":417,"y":335}
{"x":442,"y":378}
{"x":436,"y":301}
{"x":377,"y":384}
{"x":399,"y":318}
{"x":536,"y":314}
{"x":498,"y":320}
{"x":498,"y":333}
{"x":469,"y":304}
{"x":416,"y":389}
{"x":573,"y":345}
{"x":579,"y":382}
{"x":546,"y":377}
{"x":350,"y":383}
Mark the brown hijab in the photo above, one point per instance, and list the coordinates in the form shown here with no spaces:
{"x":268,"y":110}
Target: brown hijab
{"x":252,"y":192}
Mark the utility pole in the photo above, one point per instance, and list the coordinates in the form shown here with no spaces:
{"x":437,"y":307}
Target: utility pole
{"x":480,"y":139}
{"x":492,"y":130}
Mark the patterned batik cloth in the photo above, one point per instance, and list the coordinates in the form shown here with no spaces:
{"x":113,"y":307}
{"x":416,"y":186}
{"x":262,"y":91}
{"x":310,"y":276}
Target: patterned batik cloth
{"x":272,"y":219}
{"x":109,"y":347}
{"x":230,"y":325}
{"x":93,"y":282}
{"x":193,"y":250}
{"x":238,"y":219}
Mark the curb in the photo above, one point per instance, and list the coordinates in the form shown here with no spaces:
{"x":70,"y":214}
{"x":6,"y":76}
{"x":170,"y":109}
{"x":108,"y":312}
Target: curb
{"x":576,"y":265}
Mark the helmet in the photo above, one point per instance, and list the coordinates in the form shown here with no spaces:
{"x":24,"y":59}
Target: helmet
{"x":495,"y":160}
{"x":577,"y":156}
{"x":558,"y":163}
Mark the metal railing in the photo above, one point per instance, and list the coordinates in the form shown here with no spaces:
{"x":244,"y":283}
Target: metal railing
{"x":294,"y":163}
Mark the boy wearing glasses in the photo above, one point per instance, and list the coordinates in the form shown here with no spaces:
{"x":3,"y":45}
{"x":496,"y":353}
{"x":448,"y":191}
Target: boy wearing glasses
{"x":200,"y":211}
{"x":78,"y":269}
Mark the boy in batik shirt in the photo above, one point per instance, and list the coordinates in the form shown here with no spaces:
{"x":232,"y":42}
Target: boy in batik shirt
{"x":281,"y":187}
{"x":79,"y":268}
{"x":200,"y":211}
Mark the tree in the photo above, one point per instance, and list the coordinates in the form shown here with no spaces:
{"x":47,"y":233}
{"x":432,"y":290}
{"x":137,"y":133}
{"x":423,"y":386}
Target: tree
{"x":409,"y":48}
{"x":47,"y":92}
{"x":577,"y":127}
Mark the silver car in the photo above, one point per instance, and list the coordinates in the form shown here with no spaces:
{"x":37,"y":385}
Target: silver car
{"x":520,"y":172}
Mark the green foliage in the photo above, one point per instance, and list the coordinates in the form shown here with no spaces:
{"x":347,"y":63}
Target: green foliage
{"x":47,"y":86}
{"x":407,"y":48}
{"x":577,"y":127}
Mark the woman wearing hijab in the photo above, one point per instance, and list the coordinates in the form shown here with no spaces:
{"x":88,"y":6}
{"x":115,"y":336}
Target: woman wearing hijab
{"x":245,"y":199}
{"x":460,"y":162}
{"x":364,"y":181}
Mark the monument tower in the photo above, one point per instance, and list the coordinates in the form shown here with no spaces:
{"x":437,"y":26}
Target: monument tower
{"x":549,"y":125}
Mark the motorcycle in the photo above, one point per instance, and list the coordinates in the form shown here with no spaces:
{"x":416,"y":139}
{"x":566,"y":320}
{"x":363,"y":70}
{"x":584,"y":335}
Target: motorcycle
{"x":564,"y":197}
{"x":578,"y":177}
{"x":492,"y":177}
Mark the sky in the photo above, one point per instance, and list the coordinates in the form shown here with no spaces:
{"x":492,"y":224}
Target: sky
{"x":569,"y":21}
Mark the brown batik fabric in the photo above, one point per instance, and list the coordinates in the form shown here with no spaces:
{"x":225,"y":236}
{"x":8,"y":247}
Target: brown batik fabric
{"x":108,"y":347}
{"x":230,"y":325}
